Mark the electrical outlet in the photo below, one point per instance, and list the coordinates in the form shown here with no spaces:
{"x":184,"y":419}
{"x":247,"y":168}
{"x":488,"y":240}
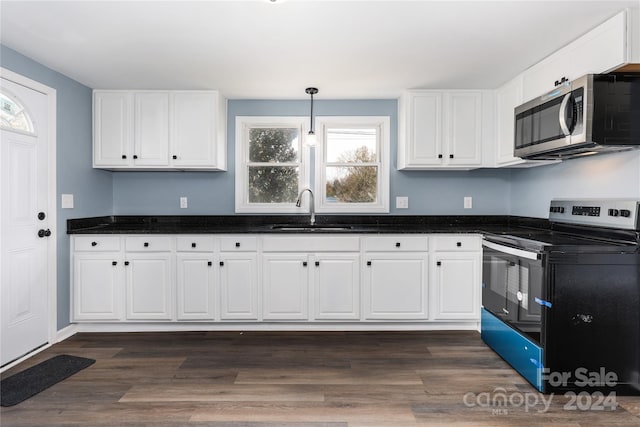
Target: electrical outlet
{"x":402,"y":202}
{"x":66,"y":201}
{"x":468,"y":202}
{"x":183,"y":202}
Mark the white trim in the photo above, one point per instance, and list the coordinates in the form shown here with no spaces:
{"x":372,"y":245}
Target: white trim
{"x":52,"y":203}
{"x":61,"y":335}
{"x":383,"y":123}
{"x":241,"y":203}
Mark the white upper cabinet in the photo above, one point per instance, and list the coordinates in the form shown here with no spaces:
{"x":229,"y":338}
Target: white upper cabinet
{"x":602,"y":49}
{"x":159,"y":130}
{"x":442,"y":129}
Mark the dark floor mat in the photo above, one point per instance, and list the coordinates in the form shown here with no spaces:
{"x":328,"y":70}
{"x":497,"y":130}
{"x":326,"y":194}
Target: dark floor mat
{"x":23,"y":385}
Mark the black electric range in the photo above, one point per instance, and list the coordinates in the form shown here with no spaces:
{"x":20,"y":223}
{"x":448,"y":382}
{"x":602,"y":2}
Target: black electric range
{"x":571,"y":292}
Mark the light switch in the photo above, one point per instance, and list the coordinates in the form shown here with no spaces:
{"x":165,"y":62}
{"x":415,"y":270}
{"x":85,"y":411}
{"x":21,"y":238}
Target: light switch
{"x":66,"y":201}
{"x":402,"y":202}
{"x":468,"y":202}
{"x":183,"y":202}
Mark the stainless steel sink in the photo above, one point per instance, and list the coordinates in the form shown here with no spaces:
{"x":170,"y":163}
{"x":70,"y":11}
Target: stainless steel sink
{"x":315,"y":227}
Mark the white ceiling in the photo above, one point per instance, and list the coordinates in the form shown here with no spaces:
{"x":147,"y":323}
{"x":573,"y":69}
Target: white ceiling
{"x":257,"y":50}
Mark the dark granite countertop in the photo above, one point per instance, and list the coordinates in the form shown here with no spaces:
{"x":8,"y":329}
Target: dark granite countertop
{"x":283,"y":224}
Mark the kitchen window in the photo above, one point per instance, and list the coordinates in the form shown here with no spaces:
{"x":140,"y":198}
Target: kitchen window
{"x":351,"y":164}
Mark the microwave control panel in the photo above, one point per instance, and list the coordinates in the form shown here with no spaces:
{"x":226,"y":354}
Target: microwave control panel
{"x":618,"y":213}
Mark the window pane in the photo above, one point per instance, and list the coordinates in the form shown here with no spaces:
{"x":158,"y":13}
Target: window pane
{"x":353,"y":184}
{"x":13,"y":116}
{"x":273,"y":184}
{"x":355,"y":145}
{"x":272,"y":145}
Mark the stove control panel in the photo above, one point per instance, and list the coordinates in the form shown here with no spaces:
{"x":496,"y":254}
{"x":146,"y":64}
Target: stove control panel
{"x":616,"y":213}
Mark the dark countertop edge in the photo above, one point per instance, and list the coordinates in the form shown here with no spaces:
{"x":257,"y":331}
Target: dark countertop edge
{"x":263,"y":224}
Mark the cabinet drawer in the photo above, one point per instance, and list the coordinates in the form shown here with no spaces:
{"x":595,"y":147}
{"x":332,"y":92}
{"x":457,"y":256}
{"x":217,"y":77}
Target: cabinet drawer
{"x":96,"y":243}
{"x":311,"y":244}
{"x":148,"y":244}
{"x":194,"y":244}
{"x":238,"y":244}
{"x":456,"y":243}
{"x":395,"y":243}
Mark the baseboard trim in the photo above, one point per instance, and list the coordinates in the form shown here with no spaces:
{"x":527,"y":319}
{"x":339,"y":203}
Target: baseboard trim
{"x":66,"y":332}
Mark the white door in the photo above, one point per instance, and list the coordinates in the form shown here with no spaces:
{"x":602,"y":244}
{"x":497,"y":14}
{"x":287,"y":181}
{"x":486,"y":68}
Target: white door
{"x":24,"y":196}
{"x":457,"y":286}
{"x":195,"y":286}
{"x":238,"y":286}
{"x":285,"y":287}
{"x":336,"y":280}
{"x":148,"y":286}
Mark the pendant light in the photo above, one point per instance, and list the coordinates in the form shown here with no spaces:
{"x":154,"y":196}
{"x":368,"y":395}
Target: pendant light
{"x":311,"y":139}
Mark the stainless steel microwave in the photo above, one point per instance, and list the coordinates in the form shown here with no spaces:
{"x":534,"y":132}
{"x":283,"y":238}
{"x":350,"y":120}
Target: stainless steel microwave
{"x":595,"y":113}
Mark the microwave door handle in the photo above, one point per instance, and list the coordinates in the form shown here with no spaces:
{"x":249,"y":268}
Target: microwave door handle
{"x":562,"y":117}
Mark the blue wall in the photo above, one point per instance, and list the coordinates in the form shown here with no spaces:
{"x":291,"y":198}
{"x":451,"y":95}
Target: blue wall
{"x":91,"y":188}
{"x":212,"y":193}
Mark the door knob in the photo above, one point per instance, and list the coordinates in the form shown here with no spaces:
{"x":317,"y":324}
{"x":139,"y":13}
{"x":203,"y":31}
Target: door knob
{"x":44,"y":233}
{"x":41,"y":216}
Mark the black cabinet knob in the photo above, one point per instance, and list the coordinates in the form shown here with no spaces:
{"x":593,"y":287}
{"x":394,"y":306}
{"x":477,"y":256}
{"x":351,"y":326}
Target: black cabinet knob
{"x":193,"y":245}
{"x":94,"y":243}
{"x":304,"y":263}
{"x":451,"y":156}
{"x":124,"y":156}
{"x":317,"y":263}
{"x":135,"y":156}
{"x":438,"y":263}
{"x":439,"y":156}
{"x":221,"y":263}
{"x":146,"y":244}
{"x":174,"y":157}
{"x":397,"y":244}
{"x":459,"y":244}
{"x":126,"y":263}
{"x":368,"y":262}
{"x":237,"y":244}
{"x":209,"y":263}
{"x":114,"y":263}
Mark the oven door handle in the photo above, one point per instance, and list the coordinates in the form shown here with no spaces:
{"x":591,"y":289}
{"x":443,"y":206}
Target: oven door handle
{"x":511,"y":251}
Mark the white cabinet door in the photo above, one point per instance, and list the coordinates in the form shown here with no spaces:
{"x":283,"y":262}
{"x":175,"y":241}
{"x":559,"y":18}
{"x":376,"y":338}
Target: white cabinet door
{"x":456,"y":285}
{"x":464,"y":128}
{"x":395,"y":286}
{"x":151,"y":129}
{"x":149,"y":286}
{"x":98,"y":286}
{"x":424,"y":122}
{"x":112,"y":129}
{"x":195,"y":286}
{"x":194,"y":129}
{"x":508,"y":97}
{"x":336,"y":281}
{"x":285,"y":286}
{"x":238,"y":286}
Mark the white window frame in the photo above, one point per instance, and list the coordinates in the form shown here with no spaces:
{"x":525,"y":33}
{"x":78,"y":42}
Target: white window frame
{"x":243,"y":124}
{"x":382,"y":123}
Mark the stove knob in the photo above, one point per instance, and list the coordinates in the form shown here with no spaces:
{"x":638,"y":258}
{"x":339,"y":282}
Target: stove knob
{"x":625,"y":213}
{"x":614,"y":212}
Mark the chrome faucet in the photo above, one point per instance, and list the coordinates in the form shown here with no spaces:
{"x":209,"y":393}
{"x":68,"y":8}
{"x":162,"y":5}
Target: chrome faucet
{"x":311,"y":204}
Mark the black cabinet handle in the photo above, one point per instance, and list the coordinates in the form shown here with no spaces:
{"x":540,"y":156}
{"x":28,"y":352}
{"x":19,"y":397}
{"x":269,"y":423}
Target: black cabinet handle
{"x":237,"y":244}
{"x":368,"y":262}
{"x":126,"y":263}
{"x":459,"y":244}
{"x":439,"y":156}
{"x":451,"y":156}
{"x":146,"y":244}
{"x":175,"y":157}
{"x":317,"y":263}
{"x":209,"y":263}
{"x":193,"y":245}
{"x":438,"y":263}
{"x":221,"y":263}
{"x":124,"y":156}
{"x":94,"y":243}
{"x":304,"y":263}
{"x":135,"y":156}
{"x":114,"y":262}
{"x":397,"y":244}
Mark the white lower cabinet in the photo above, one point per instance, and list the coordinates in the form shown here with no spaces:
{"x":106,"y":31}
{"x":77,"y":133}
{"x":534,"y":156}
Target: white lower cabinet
{"x":285,"y":286}
{"x":149,"y":286}
{"x":196,"y":299}
{"x":98,"y":286}
{"x":238,"y":278}
{"x":456,"y":277}
{"x":336,"y":284}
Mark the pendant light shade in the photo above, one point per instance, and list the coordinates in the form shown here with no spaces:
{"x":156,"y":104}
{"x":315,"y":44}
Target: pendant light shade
{"x":311,"y":138}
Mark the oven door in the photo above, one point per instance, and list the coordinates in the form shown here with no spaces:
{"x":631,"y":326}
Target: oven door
{"x":512,"y":287}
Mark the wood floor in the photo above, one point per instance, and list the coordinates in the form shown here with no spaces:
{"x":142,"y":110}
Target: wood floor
{"x":316,"y":379}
